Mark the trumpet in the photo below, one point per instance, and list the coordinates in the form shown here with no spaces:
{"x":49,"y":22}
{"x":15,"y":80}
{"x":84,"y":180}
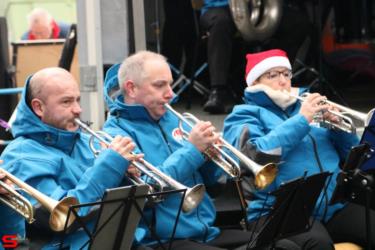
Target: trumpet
{"x":58,"y":209}
{"x":264,"y":175}
{"x":344,"y":114}
{"x":193,"y":195}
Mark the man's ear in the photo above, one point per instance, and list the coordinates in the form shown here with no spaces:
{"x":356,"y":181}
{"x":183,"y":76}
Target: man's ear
{"x":37,"y":107}
{"x":130,"y":88}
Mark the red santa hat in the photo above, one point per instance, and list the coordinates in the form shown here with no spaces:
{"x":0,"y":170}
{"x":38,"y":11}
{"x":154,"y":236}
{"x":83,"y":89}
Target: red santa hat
{"x":259,"y":63}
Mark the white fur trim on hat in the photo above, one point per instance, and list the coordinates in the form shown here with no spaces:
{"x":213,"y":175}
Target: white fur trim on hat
{"x":266,"y":64}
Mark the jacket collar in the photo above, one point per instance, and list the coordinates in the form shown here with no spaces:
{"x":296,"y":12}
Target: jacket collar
{"x":258,"y":96}
{"x":130,"y":111}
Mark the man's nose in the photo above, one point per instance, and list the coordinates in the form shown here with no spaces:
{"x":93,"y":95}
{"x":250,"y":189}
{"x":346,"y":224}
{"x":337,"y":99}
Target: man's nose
{"x":169,"y":92}
{"x":77,"y":108}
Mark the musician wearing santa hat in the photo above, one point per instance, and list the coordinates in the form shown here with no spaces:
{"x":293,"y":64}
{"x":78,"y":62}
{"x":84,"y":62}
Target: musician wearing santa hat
{"x":273,"y":126}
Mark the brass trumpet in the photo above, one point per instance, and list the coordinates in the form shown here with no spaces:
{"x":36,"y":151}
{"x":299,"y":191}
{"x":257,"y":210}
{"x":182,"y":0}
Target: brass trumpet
{"x":58,"y":209}
{"x":193,"y":195}
{"x":345,"y":115}
{"x":264,"y":175}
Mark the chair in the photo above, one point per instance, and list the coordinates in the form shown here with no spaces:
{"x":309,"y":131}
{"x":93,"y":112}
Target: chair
{"x":184,"y":83}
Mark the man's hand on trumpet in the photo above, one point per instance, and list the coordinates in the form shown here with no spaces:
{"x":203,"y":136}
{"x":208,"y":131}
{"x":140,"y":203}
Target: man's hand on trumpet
{"x":133,"y":171}
{"x":125,"y":146}
{"x":312,"y":105}
{"x":203,"y":135}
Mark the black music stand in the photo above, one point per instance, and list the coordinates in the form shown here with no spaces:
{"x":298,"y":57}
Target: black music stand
{"x":119,"y":214}
{"x":114,"y":217}
{"x":356,"y":181}
{"x":291,"y":212}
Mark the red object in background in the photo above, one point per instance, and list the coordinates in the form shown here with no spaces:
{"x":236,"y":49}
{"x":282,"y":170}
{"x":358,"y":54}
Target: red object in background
{"x":9,"y":241}
{"x":358,"y":57}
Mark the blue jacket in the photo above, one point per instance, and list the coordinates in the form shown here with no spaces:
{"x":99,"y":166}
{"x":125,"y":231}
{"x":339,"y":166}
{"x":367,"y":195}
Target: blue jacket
{"x":58,"y":163}
{"x":287,"y":132}
{"x":213,"y":4}
{"x":163,"y":147}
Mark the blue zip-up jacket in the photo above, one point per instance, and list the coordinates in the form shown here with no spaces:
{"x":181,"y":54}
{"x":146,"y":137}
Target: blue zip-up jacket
{"x":163,"y":147}
{"x":58,"y":163}
{"x":287,"y":132}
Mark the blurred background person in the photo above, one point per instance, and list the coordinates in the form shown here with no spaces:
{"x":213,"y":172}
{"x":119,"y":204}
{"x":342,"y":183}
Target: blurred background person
{"x":43,"y":26}
{"x":217,"y":22}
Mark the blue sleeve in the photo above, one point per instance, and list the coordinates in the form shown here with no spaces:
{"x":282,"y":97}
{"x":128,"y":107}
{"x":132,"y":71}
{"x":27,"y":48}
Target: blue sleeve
{"x":107,"y":172}
{"x":343,"y":142}
{"x":211,"y":173}
{"x":284,"y":136}
{"x":182,"y":163}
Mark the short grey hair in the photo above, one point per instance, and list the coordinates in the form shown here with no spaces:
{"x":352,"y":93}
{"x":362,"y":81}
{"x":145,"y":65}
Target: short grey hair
{"x":132,"y":68}
{"x":39,"y":15}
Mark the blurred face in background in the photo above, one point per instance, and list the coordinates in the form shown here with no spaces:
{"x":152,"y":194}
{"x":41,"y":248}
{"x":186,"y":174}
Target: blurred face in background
{"x":41,"y":30}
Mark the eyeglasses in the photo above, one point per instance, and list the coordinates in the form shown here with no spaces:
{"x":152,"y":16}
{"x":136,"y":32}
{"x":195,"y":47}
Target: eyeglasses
{"x":274,"y":75}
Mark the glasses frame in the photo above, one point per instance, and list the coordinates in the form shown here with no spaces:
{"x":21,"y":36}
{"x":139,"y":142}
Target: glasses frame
{"x":288,"y":74}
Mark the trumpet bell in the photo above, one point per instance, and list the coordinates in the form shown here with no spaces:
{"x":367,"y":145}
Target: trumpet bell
{"x":58,"y":209}
{"x":193,"y":197}
{"x":266,"y":175}
{"x":59,"y":214}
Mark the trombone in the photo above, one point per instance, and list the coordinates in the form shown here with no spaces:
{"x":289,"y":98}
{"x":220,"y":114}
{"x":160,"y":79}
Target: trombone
{"x":346,"y":123}
{"x":193,"y":195}
{"x":58,"y":209}
{"x":264,"y":175}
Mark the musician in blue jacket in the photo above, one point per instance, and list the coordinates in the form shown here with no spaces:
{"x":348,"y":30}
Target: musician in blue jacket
{"x":276,"y":127}
{"x":51,"y":154}
{"x":138,"y":110}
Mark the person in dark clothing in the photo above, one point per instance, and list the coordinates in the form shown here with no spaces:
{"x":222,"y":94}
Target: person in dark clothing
{"x":179,"y":35}
{"x":216,"y":20}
